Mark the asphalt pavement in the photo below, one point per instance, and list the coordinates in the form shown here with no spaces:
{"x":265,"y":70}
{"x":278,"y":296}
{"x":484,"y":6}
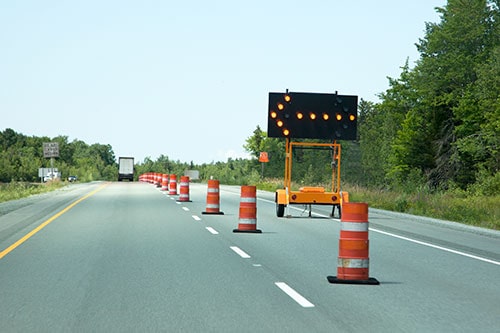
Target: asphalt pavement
{"x":127,"y":257}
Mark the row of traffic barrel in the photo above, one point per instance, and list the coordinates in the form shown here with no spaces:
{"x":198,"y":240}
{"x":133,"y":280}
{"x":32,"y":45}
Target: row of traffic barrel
{"x":353,"y":258}
{"x":247,"y":221}
{"x":168,"y":182}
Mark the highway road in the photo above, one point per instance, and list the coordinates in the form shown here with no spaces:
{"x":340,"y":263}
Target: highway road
{"x":127,"y":257}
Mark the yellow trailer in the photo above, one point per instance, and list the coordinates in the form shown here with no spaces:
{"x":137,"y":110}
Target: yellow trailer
{"x":310,"y":195}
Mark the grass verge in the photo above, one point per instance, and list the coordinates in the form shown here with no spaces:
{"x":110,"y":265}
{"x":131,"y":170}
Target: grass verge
{"x":480,"y":211}
{"x":18,"y":190}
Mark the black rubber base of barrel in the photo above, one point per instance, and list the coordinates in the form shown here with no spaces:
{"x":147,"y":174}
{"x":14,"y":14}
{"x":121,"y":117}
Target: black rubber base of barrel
{"x":256,"y":231}
{"x":370,"y":281}
{"x":183,"y":200}
{"x":210,"y":213}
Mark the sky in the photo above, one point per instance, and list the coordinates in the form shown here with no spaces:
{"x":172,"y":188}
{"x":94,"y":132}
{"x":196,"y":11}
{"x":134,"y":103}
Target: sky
{"x":190,"y":79}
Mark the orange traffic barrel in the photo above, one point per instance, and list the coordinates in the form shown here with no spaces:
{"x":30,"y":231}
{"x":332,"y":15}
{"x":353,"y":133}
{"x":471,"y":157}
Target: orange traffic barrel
{"x":158,"y":179}
{"x":248,"y":210}
{"x":184,"y":189}
{"x":164,"y":182}
{"x":213,"y":198}
{"x":353,"y":260}
{"x":172,"y":185}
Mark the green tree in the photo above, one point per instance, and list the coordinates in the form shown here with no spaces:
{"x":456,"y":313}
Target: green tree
{"x":275,"y":148}
{"x":255,"y":144}
{"x":451,"y":54}
{"x":379,"y":126}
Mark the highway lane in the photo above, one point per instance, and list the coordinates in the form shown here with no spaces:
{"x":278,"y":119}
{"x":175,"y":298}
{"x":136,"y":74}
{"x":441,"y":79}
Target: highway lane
{"x":19,"y":217}
{"x":431,"y":288}
{"x":130,"y":258}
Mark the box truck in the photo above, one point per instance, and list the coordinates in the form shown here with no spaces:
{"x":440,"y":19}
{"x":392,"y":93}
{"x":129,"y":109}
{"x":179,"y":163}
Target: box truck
{"x":125,"y":168}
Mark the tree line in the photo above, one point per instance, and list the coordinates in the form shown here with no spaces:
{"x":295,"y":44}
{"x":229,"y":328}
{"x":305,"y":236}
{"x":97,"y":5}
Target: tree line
{"x":438,"y":125}
{"x":21,"y":156}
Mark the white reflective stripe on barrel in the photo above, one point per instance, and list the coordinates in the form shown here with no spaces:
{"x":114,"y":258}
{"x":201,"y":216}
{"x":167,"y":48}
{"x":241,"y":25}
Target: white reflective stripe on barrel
{"x":248,"y":199}
{"x":212,"y":206}
{"x":354,"y":226}
{"x":247,"y":221}
{"x":353,"y":263}
{"x":213,"y":190}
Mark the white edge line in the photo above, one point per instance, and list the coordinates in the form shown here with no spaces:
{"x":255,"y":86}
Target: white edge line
{"x":197,"y":218}
{"x":294,"y":295}
{"x":416,"y":241}
{"x":240,"y":252}
{"x":186,"y":209}
{"x":436,"y":247}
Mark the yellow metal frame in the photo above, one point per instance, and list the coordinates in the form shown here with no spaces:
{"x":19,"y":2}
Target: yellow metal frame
{"x":310,"y":195}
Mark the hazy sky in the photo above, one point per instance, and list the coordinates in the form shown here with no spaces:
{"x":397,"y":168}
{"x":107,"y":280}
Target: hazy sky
{"x":190,"y":79}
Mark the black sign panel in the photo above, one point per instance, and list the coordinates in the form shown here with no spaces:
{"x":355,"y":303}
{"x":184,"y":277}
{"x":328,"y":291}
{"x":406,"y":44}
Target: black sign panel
{"x":312,"y":116}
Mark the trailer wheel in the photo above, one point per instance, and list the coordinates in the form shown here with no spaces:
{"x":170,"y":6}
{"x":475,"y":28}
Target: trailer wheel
{"x":280,"y":210}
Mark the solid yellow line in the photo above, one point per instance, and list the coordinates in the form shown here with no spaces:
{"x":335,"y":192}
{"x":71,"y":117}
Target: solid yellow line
{"x":44,"y":224}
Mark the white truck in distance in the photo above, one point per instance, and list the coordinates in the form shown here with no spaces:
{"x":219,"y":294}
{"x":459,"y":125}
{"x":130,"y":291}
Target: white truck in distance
{"x":125,"y":168}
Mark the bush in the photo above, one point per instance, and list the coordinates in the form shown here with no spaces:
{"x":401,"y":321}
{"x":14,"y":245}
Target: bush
{"x":486,"y":184}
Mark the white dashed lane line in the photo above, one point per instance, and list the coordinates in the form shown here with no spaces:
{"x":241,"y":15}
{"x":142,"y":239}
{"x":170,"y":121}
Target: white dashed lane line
{"x":240,"y":252}
{"x":294,"y":295}
{"x":301,"y":300}
{"x":212,"y":230}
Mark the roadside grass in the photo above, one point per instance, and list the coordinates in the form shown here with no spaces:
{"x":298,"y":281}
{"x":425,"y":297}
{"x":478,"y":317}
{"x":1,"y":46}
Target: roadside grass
{"x":476,"y":210}
{"x":19,"y":190}
{"x":479,"y":211}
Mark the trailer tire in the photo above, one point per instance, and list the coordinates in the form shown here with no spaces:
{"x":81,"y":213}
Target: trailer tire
{"x":280,"y":210}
